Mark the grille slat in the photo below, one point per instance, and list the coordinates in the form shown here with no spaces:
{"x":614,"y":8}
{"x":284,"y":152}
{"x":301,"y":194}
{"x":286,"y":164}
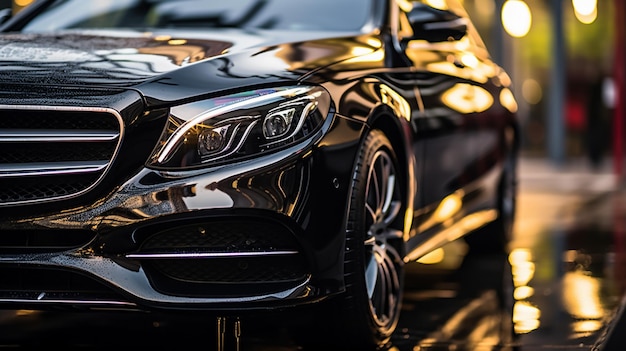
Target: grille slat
{"x":41,"y":285}
{"x":32,"y":136}
{"x":31,"y":169}
{"x":66,"y":150}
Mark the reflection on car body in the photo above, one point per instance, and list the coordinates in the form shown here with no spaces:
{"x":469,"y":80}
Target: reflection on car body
{"x":247,"y":155}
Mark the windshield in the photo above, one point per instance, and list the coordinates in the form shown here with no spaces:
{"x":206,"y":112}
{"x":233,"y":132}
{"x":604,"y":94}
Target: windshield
{"x":333,"y":15}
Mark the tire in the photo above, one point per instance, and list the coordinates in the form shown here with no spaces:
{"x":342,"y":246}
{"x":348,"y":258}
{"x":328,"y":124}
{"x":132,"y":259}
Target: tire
{"x":365,"y":317}
{"x":494,"y":238}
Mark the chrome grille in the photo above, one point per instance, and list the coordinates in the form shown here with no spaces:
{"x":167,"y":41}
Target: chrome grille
{"x":50,"y":153}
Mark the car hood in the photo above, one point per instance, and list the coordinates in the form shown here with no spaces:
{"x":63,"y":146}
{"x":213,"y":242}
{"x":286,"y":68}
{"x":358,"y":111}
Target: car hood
{"x":82,"y":58}
{"x":150,"y":62}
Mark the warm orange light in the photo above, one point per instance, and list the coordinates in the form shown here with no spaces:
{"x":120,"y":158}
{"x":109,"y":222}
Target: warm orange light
{"x":433,"y":257}
{"x":581,"y":295}
{"x":23,"y":3}
{"x":516,"y":18}
{"x":405,"y":5}
{"x":438,"y":4}
{"x":525,"y":317}
{"x":522,"y":267}
{"x":586,"y":326}
{"x":177,"y":42}
{"x":586,"y":11}
{"x":391,"y":98}
{"x":523,"y":292}
{"x":508,"y":100}
{"x":467,"y":98}
{"x":531,"y":91}
{"x":448,"y":207}
{"x":469,"y":60}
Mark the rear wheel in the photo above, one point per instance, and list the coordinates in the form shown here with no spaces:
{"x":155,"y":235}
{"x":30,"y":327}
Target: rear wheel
{"x":366,"y":316}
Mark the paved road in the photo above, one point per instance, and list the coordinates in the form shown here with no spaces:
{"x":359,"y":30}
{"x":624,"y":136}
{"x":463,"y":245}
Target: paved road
{"x":560,"y":288}
{"x":571,"y":235}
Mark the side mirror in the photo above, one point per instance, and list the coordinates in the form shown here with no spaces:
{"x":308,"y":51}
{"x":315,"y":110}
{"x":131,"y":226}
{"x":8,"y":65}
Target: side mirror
{"x":5,"y":14}
{"x":435,"y":25}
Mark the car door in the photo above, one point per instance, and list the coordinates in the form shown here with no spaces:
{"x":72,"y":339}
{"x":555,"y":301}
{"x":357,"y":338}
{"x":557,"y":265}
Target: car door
{"x":460,"y":126}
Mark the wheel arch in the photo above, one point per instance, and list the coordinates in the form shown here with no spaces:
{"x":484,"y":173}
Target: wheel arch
{"x":397,"y":130}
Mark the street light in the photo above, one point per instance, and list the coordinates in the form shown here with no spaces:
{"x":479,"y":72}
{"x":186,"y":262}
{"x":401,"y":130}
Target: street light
{"x":516,"y":18}
{"x":586,"y":11}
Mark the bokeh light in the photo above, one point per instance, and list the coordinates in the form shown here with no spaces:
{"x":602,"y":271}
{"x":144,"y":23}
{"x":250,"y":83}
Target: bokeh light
{"x":516,"y":18}
{"x":531,"y":91}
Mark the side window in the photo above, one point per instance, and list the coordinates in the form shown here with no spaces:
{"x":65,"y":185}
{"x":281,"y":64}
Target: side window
{"x":443,"y":24}
{"x":479,"y":47}
{"x":436,"y":23}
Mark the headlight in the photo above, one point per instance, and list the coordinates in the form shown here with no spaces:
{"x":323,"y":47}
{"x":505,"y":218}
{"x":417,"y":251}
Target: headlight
{"x":239,"y":126}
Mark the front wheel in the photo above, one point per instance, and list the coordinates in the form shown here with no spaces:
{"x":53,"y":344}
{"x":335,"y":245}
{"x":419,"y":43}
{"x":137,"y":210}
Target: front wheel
{"x":374,"y":271}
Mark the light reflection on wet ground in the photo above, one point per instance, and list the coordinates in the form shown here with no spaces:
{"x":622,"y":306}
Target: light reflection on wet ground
{"x":566,"y":265}
{"x":568,"y":260}
{"x":558,"y":289}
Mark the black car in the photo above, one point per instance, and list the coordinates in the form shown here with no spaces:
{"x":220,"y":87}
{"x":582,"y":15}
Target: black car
{"x":246,"y":155}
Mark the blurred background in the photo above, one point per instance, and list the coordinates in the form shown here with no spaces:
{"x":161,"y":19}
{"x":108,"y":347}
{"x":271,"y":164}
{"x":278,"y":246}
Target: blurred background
{"x":566,"y":59}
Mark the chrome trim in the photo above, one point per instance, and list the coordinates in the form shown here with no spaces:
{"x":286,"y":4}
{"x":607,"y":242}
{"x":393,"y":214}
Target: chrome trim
{"x":68,"y":302}
{"x":209,"y":255}
{"x":55,"y":108}
{"x":98,"y":135}
{"x":135,"y":282}
{"x":18,"y":136}
{"x":50,"y":168}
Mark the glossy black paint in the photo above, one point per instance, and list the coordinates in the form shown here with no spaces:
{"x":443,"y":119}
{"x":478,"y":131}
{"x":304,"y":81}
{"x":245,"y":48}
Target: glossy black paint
{"x":444,"y":106}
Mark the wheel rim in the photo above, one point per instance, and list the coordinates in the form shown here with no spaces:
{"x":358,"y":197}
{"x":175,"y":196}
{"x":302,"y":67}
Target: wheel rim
{"x":383,"y":263}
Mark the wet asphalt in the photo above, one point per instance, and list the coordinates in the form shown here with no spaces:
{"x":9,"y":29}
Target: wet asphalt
{"x":560,"y":288}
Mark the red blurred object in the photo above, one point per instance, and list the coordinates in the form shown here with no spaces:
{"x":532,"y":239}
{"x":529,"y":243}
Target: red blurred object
{"x":575,"y":114}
